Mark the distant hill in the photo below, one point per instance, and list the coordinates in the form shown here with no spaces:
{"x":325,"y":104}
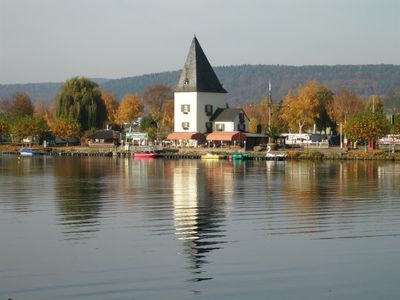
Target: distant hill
{"x":248,"y":82}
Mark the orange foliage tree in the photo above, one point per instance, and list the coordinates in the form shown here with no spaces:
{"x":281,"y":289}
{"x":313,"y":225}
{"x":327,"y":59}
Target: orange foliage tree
{"x":111,"y":104}
{"x":345,"y":104}
{"x":130,"y":107}
{"x":66,"y":128}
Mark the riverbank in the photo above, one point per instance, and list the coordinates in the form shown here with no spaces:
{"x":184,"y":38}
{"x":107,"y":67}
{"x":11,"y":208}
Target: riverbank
{"x":332,"y":153}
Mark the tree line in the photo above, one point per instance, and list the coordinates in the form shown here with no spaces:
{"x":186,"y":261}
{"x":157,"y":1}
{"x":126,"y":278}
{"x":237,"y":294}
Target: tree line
{"x":315,"y":108}
{"x":81,"y":107}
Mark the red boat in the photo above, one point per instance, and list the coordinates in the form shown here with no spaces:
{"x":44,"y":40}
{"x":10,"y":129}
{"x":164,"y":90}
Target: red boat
{"x":145,"y":155}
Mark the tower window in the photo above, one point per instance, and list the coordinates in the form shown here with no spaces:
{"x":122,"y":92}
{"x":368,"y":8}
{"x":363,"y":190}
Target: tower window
{"x":185,"y":108}
{"x":186,"y":81}
{"x":209,"y":109}
{"x":185,"y":125}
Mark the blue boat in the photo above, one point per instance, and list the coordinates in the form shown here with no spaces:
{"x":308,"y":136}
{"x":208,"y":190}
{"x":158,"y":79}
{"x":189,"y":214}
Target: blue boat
{"x":28,"y":152}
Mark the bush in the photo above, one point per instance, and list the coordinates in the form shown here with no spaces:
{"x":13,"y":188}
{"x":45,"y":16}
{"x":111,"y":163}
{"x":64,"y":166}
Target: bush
{"x":311,"y":154}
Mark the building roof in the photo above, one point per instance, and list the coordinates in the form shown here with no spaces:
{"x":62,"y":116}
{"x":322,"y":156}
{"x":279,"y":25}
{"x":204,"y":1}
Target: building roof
{"x":226,"y":136}
{"x":186,"y":136}
{"x":225,"y":114}
{"x":197,"y":74}
{"x":105,"y":135}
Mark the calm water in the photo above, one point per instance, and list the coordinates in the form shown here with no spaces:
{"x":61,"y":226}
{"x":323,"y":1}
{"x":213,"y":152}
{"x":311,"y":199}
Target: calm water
{"x":103,"y":228}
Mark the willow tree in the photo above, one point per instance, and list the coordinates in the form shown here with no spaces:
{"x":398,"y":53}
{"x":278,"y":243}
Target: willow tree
{"x":80,"y":100}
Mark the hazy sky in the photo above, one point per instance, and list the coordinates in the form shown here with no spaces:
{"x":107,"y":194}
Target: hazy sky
{"x":53,"y":40}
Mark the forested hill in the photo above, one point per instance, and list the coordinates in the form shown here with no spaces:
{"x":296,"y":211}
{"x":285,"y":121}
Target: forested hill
{"x":248,"y":82}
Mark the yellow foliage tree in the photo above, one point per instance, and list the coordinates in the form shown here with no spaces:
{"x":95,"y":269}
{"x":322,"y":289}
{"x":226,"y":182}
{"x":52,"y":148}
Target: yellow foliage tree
{"x":300,"y":111}
{"x":167,"y":120}
{"x":253,"y":124}
{"x":130,"y":107}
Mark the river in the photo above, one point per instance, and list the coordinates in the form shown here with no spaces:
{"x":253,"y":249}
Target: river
{"x":107,"y":228}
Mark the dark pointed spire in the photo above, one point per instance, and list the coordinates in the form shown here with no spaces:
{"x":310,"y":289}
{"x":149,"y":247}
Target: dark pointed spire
{"x":197,"y":74}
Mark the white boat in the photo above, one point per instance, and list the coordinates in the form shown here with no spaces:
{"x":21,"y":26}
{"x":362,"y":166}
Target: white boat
{"x":28,"y":152}
{"x":274,"y":156}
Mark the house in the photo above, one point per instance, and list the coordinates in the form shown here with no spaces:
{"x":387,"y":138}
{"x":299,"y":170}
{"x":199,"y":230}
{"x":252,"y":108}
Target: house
{"x":200,"y":104}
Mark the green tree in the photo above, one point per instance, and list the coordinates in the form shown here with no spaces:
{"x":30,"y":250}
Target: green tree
{"x":149,"y":125}
{"x":325,"y":97}
{"x":4,"y":124}
{"x":396,"y":125}
{"x":26,"y":126}
{"x":66,"y":128}
{"x":80,"y":99}
{"x":366,"y":126}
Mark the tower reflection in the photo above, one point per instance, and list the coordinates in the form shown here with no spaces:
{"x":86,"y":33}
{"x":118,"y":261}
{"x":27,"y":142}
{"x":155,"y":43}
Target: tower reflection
{"x":199,"y":211}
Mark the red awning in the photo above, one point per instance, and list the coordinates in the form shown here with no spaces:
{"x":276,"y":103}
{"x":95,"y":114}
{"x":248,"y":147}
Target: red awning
{"x":226,"y":136}
{"x":175,"y":136}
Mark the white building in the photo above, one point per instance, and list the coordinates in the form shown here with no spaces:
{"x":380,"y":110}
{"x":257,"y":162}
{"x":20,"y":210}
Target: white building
{"x":200,"y":102}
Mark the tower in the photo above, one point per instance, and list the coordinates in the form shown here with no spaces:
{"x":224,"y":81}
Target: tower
{"x":198,"y":93}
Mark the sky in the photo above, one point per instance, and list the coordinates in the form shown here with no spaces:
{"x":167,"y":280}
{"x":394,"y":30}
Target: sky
{"x":54,"y":40}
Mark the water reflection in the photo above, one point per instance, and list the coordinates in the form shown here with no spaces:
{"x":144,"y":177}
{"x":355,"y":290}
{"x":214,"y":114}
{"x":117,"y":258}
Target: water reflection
{"x":324,"y":199}
{"x":200,"y":196}
{"x":79,"y":189}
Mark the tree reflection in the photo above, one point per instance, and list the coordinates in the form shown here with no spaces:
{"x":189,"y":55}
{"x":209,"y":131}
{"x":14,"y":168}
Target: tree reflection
{"x":78,"y":193}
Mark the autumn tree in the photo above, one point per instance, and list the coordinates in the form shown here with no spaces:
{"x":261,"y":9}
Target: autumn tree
{"x":253,"y":125}
{"x":27,"y":126}
{"x":41,"y":110}
{"x":344,"y":104}
{"x":19,"y":104}
{"x":155,"y":97}
{"x":251,"y":110}
{"x":130,"y":107}
{"x":5,"y":106}
{"x":167,"y":120}
{"x":367,"y":125}
{"x":375,"y":104}
{"x":111,"y":105}
{"x":80,"y":99}
{"x":66,"y":128}
{"x":301,"y":110}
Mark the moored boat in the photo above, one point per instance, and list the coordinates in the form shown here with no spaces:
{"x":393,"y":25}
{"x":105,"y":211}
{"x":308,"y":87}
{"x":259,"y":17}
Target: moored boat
{"x":145,"y":155}
{"x":240,"y":156}
{"x":28,"y":152}
{"x":212,"y":156}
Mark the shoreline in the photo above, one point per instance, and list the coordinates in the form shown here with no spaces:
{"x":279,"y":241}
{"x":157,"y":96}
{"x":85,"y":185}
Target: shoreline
{"x":333,"y":153}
